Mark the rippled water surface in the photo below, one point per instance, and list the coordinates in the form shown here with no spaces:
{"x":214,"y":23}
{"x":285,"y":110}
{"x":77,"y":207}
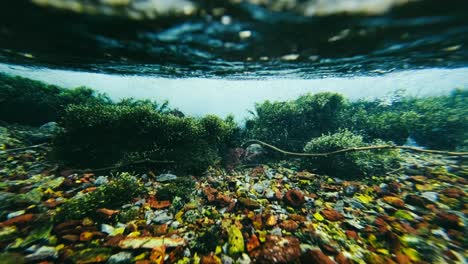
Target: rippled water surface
{"x":235,"y":39}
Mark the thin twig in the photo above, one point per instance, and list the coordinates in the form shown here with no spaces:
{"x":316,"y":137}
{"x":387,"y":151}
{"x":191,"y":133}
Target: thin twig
{"x":125,"y":164}
{"x":395,"y":170}
{"x":23,"y":148}
{"x":377,"y":147}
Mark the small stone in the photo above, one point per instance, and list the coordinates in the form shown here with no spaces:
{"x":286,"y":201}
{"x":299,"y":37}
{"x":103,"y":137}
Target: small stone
{"x":50,"y":128}
{"x":431,"y":196}
{"x":269,"y":194}
{"x":227,"y":259}
{"x":416,"y":200}
{"x":270,"y":220}
{"x":351,"y":234}
{"x":244,"y":259}
{"x":162,"y":217}
{"x":18,"y":220}
{"x":394,"y":201}
{"x":294,"y":198}
{"x":342,"y":259}
{"x":150,"y":242}
{"x":43,"y":252}
{"x":120,"y":258}
{"x":448,"y":220}
{"x":235,"y":240}
{"x":277,"y":249}
{"x":15,"y":214}
{"x":289,"y":225}
{"x":166,"y":177}
{"x":105,"y":228}
{"x":453,"y":192}
{"x":332,"y":215}
{"x":249,"y":203}
{"x":101,"y":180}
{"x":316,"y":256}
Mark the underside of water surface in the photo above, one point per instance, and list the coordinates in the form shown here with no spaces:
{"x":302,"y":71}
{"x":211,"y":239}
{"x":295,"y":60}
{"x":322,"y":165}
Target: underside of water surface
{"x":235,"y":39}
{"x":237,"y":131}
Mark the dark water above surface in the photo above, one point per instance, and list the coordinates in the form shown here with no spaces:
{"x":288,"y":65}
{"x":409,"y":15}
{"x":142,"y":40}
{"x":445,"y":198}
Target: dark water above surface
{"x":235,"y":39}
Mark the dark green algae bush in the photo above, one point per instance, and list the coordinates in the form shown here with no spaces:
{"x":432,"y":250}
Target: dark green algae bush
{"x":98,"y":132}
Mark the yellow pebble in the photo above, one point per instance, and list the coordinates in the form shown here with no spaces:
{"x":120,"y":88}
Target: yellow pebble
{"x":318,"y":217}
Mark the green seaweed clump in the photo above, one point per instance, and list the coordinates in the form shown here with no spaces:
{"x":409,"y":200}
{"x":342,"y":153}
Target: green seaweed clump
{"x":103,"y":135}
{"x":290,"y":124}
{"x":122,"y":189}
{"x":30,"y":102}
{"x":350,"y":164}
{"x":207,"y":241}
{"x":181,"y":187}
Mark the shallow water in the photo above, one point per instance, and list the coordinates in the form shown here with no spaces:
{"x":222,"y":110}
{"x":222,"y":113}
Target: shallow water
{"x":256,"y":131}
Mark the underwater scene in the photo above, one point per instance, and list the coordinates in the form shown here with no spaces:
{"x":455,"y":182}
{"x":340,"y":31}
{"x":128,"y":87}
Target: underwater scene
{"x":234,"y":131}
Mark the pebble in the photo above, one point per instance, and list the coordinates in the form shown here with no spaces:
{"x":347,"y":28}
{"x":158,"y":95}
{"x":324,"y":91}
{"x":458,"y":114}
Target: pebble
{"x":227,"y":259}
{"x":244,"y":259}
{"x":269,"y":194}
{"x":15,"y":214}
{"x":162,"y":217}
{"x":43,"y":252}
{"x":431,"y":196}
{"x":108,"y":229}
{"x":120,"y":258}
{"x":166,"y":177}
{"x":101,"y":180}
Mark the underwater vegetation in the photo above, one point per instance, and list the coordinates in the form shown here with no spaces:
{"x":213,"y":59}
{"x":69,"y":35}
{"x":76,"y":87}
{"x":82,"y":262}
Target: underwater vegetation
{"x":31,"y":102}
{"x":97,"y":132}
{"x":138,"y":182}
{"x":351,"y":164}
{"x":116,"y":193}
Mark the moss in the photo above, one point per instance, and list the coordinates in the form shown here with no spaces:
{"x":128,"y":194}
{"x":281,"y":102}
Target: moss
{"x":102,"y":135}
{"x":207,"y":241}
{"x":30,"y":102}
{"x":290,"y":124}
{"x":350,"y":164}
{"x":181,"y":187}
{"x":122,"y":189}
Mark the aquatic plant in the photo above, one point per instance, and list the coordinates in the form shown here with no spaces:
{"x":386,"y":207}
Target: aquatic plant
{"x":207,"y":240}
{"x":374,"y":120}
{"x":349,"y":164}
{"x":290,"y":124}
{"x":30,"y":102}
{"x":180,"y":187}
{"x":101,"y":135}
{"x":442,"y":121}
{"x":122,"y":189}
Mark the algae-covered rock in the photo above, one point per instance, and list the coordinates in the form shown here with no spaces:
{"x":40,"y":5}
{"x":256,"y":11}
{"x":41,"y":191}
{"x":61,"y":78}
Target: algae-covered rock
{"x":351,"y":164}
{"x":122,"y":189}
{"x":235,"y":240}
{"x":11,"y":258}
{"x":8,"y":233}
{"x":91,"y":255}
{"x":41,"y":233}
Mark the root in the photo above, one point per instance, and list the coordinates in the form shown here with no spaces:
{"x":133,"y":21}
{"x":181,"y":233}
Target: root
{"x":377,"y":147}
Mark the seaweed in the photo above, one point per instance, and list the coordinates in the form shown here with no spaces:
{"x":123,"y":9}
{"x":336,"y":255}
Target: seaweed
{"x":122,"y":189}
{"x":350,"y":164}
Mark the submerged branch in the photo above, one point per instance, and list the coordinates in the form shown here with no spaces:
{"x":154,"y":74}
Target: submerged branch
{"x":377,"y":147}
{"x":125,"y":164}
{"x":22,"y":148}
